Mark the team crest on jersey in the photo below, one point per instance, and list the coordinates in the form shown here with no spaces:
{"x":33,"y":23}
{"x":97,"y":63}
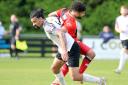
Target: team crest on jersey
{"x":64,"y":17}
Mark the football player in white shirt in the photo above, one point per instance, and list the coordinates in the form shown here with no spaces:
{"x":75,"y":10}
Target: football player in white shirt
{"x":69,"y":50}
{"x":121,"y":26}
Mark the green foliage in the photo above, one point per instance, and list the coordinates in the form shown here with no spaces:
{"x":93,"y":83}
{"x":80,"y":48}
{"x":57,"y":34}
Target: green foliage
{"x":104,"y":14}
{"x":99,"y":12}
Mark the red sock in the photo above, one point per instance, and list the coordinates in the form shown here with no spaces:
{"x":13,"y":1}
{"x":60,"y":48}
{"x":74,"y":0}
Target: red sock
{"x":64,"y":69}
{"x":84,"y":65}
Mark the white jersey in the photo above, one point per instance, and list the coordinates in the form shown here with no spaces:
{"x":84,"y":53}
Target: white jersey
{"x":122,"y":23}
{"x":50,"y":26}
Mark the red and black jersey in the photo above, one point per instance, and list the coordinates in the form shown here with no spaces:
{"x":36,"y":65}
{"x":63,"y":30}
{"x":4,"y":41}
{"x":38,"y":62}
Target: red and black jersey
{"x":69,"y":21}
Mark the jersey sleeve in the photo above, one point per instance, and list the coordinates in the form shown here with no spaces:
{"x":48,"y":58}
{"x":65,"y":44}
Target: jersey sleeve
{"x":17,"y":26}
{"x":59,"y":12}
{"x":65,"y":25}
{"x":50,"y":29}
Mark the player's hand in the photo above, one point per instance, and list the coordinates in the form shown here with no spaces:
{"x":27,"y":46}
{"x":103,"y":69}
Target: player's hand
{"x":65,"y":56}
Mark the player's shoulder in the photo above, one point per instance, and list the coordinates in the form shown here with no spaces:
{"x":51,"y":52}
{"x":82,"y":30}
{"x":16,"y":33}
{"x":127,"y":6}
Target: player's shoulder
{"x":67,"y":16}
{"x":52,"y":19}
{"x":119,"y":17}
{"x":61,"y":9}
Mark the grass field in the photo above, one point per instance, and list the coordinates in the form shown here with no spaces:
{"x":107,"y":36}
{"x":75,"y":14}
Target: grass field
{"x":36,"y":71}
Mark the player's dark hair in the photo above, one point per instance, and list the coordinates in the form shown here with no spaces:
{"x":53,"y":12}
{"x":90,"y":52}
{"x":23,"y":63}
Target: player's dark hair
{"x":78,"y":6}
{"x":37,"y":13}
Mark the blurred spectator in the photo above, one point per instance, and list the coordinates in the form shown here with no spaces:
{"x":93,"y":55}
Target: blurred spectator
{"x":106,"y":34}
{"x":2,"y":30}
{"x":3,"y":43}
{"x":15,"y":30}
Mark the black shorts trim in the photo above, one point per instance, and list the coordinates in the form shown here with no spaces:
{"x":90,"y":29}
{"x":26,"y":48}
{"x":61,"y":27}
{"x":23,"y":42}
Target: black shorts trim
{"x":74,"y":55}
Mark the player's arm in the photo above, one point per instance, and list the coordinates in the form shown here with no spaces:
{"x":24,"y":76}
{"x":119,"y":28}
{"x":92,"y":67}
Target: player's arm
{"x":61,"y":35}
{"x":117,"y":28}
{"x":18,"y":32}
{"x":52,"y":14}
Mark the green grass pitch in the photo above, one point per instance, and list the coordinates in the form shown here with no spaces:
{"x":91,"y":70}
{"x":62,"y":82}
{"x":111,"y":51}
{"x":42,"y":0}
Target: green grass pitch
{"x":36,"y":71}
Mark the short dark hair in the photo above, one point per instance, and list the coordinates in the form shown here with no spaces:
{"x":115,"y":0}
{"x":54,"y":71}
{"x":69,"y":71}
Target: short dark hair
{"x":37,"y":13}
{"x":78,"y":6}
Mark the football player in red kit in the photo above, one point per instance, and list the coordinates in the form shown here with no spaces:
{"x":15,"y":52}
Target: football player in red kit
{"x":68,"y":18}
{"x":69,"y":21}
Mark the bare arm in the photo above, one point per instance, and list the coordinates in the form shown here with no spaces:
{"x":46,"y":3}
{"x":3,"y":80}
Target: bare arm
{"x":61,"y":35}
{"x":52,"y":14}
{"x":62,"y":38}
{"x":18,"y":33}
{"x":117,"y":29}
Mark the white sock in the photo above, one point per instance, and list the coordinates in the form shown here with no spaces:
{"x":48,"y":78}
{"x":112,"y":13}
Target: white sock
{"x":60,"y":77}
{"x":122,"y":61}
{"x":90,"y":78}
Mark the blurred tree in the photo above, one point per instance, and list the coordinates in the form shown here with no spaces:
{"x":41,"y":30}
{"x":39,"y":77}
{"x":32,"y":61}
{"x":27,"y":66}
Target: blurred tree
{"x":99,"y":12}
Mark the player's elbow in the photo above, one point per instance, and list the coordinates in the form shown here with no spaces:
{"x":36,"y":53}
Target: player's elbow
{"x":59,"y":33}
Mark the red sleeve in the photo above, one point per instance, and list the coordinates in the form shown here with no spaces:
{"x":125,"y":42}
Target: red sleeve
{"x":59,"y":12}
{"x":65,"y":25}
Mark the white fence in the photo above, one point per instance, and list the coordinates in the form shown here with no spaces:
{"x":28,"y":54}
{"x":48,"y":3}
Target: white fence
{"x":110,"y":50}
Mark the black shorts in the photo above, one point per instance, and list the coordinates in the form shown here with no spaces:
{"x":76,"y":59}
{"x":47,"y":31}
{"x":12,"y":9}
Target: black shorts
{"x":74,"y":55}
{"x":124,"y":43}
